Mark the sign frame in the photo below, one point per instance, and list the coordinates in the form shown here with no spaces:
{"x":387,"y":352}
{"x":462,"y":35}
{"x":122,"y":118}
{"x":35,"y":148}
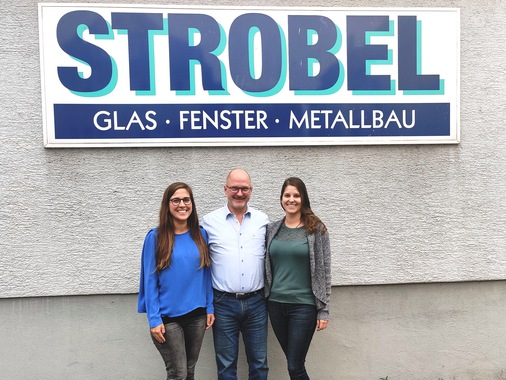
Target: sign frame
{"x":316,"y":112}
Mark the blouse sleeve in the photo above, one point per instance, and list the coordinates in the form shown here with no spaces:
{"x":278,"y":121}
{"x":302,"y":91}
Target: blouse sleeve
{"x":208,"y":281}
{"x":148,"y":301}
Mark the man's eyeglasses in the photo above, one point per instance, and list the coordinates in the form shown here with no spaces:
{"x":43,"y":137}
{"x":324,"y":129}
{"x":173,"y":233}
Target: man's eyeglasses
{"x":235,"y":189}
{"x":177,"y":201}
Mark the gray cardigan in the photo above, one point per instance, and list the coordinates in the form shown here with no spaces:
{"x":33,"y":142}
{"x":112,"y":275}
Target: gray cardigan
{"x":319,"y":257}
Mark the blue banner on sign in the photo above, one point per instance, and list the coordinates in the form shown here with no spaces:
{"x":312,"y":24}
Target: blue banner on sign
{"x":160,"y":121}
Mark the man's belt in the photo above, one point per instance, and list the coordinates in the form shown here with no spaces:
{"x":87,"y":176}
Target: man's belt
{"x":239,"y":296}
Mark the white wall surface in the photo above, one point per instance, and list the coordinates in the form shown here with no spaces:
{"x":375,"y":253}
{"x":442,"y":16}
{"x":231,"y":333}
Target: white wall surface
{"x":72,"y":221}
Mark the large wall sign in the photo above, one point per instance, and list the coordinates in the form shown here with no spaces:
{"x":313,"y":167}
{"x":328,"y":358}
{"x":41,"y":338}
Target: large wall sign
{"x":124,"y":75}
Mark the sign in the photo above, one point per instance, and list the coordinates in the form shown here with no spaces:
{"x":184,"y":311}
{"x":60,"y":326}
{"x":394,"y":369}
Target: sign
{"x":126,"y":75}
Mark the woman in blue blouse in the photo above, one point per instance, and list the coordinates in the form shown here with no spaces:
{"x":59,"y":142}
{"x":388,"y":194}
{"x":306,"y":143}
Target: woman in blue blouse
{"x":298,"y":278}
{"x":175,"y":287}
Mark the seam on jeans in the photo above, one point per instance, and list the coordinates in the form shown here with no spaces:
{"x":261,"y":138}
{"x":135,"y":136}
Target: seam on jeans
{"x":217,"y":300}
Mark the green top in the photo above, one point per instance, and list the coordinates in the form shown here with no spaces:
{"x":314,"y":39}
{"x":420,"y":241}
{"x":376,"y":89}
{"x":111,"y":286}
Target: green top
{"x":291,"y":271}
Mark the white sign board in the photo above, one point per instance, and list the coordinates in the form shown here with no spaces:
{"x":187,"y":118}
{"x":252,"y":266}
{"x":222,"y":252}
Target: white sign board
{"x":125,"y":75}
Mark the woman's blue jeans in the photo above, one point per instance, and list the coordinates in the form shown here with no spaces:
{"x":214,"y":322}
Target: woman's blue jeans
{"x":181,"y":348}
{"x":248,"y":317}
{"x":294,"y":326}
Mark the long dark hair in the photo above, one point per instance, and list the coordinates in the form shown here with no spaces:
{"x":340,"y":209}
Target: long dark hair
{"x":166,"y":235}
{"x":308,"y":218}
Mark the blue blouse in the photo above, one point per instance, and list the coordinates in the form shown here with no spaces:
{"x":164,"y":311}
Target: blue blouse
{"x":177,"y":289}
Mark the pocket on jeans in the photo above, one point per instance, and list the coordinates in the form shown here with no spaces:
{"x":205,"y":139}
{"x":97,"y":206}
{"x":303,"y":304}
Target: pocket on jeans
{"x":218,"y":297}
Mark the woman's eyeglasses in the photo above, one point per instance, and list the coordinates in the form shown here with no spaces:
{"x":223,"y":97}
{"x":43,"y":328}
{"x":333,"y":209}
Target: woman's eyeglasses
{"x":177,"y":201}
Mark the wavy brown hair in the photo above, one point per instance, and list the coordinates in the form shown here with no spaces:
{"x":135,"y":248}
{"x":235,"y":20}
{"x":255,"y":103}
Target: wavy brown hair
{"x":308,"y":218}
{"x":166,"y":235}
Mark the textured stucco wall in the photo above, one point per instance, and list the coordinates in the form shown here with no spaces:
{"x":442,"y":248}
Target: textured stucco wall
{"x":72,"y":221}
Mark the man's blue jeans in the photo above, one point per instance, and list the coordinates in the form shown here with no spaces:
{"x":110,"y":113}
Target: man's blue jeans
{"x":294,"y":326}
{"x":248,"y":317}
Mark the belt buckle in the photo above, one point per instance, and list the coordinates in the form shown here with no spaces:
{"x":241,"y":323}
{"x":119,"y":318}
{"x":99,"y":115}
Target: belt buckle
{"x":240,"y":296}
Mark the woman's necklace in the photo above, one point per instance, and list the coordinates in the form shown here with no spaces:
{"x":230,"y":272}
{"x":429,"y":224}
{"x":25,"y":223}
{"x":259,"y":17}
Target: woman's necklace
{"x":291,"y":224}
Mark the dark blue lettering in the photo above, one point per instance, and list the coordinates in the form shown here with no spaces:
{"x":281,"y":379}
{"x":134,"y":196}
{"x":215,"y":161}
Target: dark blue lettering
{"x":183,"y":52}
{"x":71,"y":43}
{"x":301,"y":51}
{"x":138,"y":26}
{"x":359,"y":52}
{"x":240,"y":52}
{"x":409,"y":76}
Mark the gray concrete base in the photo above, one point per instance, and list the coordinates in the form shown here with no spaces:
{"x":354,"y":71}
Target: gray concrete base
{"x":406,"y":332}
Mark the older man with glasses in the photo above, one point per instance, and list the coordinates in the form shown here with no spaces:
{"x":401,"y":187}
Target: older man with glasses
{"x":237,"y":248}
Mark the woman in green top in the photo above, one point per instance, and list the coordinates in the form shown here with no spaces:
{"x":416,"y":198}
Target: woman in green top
{"x":298,"y":278}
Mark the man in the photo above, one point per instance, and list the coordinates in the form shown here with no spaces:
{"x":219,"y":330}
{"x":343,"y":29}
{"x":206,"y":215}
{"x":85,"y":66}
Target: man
{"x":237,"y":248}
